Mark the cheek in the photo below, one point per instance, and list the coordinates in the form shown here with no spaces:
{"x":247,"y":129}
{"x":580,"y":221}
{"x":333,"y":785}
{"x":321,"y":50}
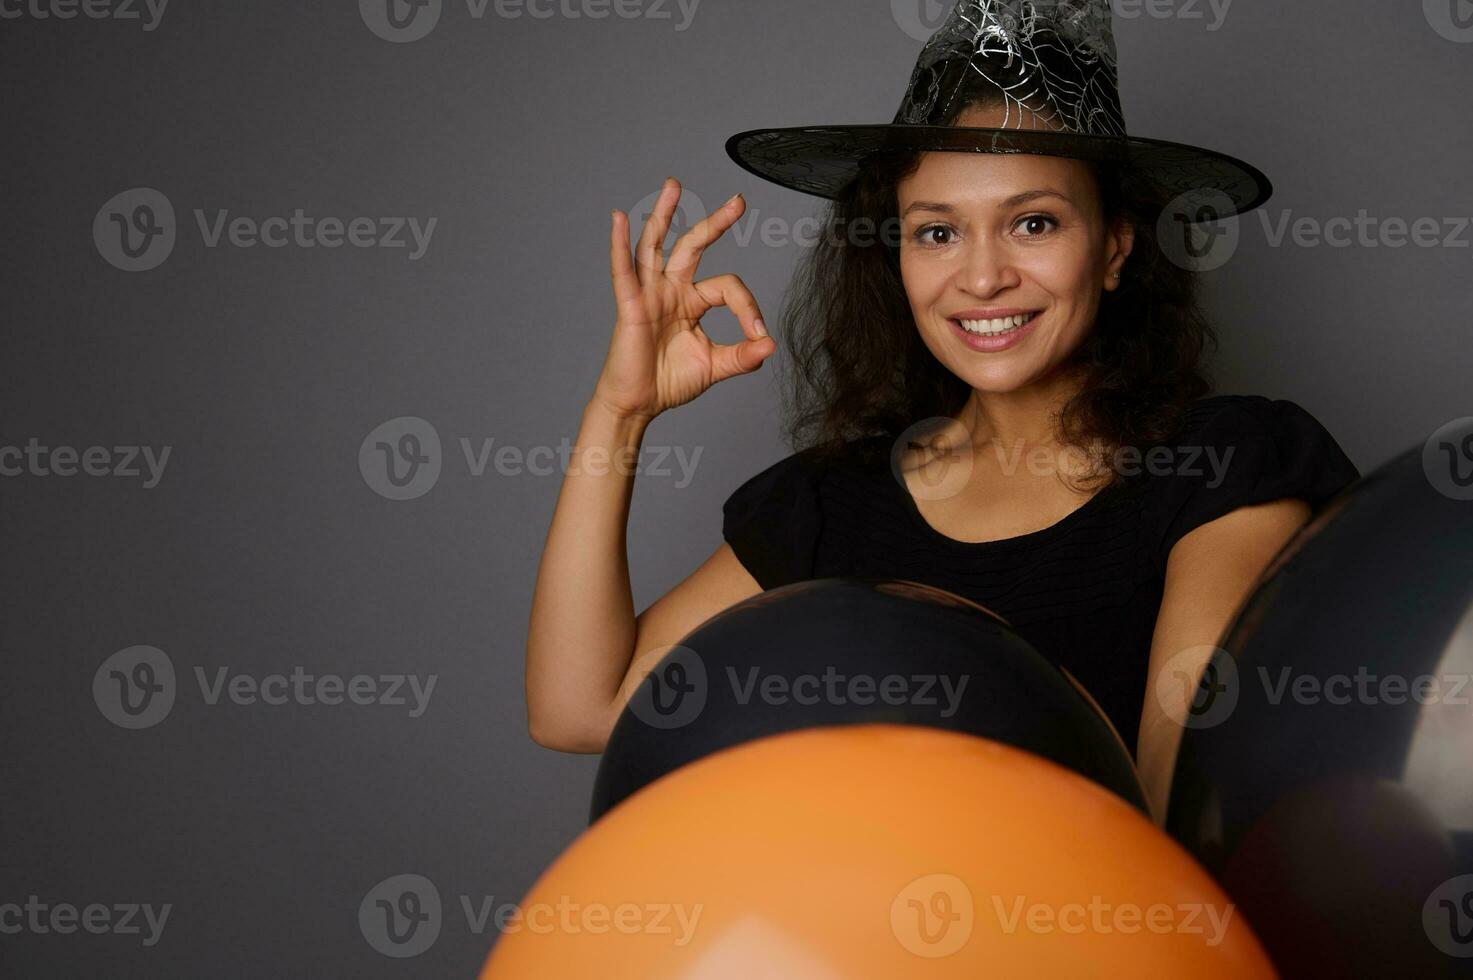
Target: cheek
{"x":1070,"y":286}
{"x":1063,"y":274}
{"x":924,"y":281}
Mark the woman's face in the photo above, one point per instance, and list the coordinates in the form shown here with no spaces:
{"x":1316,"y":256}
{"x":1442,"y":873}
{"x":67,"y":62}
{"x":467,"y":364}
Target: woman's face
{"x":987,"y":236}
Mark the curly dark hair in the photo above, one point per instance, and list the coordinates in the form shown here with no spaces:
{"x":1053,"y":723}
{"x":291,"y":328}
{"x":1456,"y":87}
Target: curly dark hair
{"x":859,"y":369}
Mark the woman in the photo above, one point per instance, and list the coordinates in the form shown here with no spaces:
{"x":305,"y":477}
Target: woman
{"x":1001,"y":392}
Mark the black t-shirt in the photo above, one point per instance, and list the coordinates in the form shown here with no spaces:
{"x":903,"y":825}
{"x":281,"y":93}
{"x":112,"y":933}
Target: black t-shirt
{"x":1084,"y":591}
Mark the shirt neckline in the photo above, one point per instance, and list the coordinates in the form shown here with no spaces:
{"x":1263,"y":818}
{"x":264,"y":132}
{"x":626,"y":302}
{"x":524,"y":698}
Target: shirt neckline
{"x":913,"y":512}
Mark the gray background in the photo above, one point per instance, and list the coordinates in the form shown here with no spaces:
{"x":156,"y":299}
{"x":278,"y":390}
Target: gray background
{"x":264,"y":547}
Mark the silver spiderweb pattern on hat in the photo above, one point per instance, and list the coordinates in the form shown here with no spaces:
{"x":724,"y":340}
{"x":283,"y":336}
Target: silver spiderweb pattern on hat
{"x":1054,"y":61}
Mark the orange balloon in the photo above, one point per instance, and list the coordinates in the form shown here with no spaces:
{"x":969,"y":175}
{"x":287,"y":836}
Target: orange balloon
{"x":879,"y":851}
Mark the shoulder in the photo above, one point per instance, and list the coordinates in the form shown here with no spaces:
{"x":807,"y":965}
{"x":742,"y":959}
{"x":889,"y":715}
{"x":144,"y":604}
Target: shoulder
{"x":775,"y":519}
{"x":1245,"y":416}
{"x":806,"y":468}
{"x":1264,"y":432}
{"x":1233,"y":451}
{"x":796,"y":473}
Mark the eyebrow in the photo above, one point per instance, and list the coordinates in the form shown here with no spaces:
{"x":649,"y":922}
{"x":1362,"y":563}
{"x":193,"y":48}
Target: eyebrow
{"x":1017,"y":199}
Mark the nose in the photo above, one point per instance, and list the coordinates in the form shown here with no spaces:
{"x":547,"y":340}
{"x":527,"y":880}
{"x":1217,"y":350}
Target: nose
{"x":986,"y":269}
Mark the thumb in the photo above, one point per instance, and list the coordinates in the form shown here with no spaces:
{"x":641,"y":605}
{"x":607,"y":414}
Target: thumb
{"x":730,"y":360}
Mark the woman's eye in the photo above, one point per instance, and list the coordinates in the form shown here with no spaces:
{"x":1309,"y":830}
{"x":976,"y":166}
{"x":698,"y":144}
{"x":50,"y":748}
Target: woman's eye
{"x":922,"y":234}
{"x":1033,"y":222}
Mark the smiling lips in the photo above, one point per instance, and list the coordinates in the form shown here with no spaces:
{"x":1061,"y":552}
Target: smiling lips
{"x":994,"y":323}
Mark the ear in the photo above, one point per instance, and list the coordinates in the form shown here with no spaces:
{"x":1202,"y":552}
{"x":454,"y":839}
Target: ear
{"x":1118,"y":244}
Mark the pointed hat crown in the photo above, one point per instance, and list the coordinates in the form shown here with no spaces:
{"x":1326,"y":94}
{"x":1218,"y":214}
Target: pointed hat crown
{"x":1054,"y":57}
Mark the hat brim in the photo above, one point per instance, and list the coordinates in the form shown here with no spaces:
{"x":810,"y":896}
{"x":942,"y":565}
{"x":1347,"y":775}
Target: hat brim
{"x":823,"y":160}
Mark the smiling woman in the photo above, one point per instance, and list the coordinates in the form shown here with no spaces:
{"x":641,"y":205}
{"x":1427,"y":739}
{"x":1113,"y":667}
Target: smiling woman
{"x":1016,"y":306}
{"x":1025,"y":308}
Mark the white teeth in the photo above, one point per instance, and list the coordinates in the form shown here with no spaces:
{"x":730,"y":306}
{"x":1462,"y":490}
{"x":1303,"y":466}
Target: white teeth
{"x":992,"y":327}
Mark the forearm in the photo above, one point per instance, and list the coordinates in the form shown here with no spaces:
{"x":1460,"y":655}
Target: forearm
{"x":1210,"y":573}
{"x":1156,"y":751}
{"x":582,"y":630}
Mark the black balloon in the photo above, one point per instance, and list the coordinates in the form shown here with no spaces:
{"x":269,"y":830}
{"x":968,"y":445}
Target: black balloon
{"x":853,"y":651}
{"x":1324,"y":774}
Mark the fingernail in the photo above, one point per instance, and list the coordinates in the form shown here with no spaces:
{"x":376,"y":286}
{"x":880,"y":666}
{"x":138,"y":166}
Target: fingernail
{"x":760,"y":327}
{"x":733,"y":200}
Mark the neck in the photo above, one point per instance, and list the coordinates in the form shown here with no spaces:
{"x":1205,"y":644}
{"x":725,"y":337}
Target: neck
{"x":1023,"y":418}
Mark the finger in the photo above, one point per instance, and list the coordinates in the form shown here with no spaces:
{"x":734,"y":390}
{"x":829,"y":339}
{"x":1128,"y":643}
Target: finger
{"x":621,"y":261}
{"x":729,"y":291}
{"x":686,"y":255}
{"x":730,"y":360}
{"x":652,"y":238}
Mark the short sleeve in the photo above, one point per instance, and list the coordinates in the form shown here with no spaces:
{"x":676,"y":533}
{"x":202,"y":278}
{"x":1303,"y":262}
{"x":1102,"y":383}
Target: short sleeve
{"x":1238,"y":450}
{"x":772,"y":521}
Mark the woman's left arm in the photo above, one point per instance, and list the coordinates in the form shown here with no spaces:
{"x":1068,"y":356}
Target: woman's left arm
{"x":1209,"y":575}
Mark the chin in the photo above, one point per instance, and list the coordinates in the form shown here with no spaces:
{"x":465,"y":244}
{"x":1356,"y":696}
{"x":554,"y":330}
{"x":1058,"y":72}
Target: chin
{"x":999,"y":380}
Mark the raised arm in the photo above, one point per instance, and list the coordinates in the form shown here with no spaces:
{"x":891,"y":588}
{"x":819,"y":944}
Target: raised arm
{"x":585,"y":645}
